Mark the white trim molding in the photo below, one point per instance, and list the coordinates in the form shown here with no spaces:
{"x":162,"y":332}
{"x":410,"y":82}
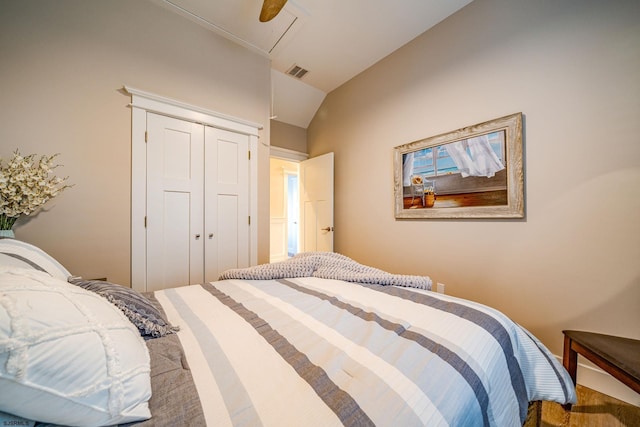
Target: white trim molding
{"x":178,"y":109}
{"x":284,"y":153}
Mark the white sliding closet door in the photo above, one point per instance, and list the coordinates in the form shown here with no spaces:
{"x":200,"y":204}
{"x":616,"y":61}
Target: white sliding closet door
{"x":175,"y":210}
{"x":226,"y":189}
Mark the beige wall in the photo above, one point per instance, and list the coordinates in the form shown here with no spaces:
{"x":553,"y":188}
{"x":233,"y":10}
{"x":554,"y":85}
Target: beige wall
{"x":572,"y":67}
{"x":288,"y":136}
{"x":62,"y":67}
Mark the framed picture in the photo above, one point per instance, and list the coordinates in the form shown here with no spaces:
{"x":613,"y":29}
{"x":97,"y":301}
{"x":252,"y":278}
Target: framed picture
{"x":473,"y":172}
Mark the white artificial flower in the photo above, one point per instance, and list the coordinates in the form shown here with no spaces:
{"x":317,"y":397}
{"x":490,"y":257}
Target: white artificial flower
{"x":25,"y":185}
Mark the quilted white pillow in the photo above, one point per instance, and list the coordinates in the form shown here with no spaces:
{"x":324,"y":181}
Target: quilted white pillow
{"x":67,"y":355}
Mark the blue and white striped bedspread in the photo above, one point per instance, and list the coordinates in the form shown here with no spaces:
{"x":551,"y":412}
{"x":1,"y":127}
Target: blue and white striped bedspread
{"x":319,"y":352}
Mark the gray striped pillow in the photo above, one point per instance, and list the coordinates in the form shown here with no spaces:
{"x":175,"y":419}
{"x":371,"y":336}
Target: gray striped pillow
{"x":140,"y":310}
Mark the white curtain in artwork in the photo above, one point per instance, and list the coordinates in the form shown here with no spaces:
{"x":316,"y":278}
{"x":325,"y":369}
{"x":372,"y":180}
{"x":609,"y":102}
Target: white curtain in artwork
{"x":485,"y":159}
{"x":479,"y":160}
{"x":407,"y":169}
{"x":458,"y":153}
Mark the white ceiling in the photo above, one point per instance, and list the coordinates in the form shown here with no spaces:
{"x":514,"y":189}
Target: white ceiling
{"x":334,"y":39}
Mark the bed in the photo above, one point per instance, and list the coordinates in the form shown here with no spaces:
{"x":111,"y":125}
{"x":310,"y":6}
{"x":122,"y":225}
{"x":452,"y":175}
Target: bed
{"x":320,"y":340}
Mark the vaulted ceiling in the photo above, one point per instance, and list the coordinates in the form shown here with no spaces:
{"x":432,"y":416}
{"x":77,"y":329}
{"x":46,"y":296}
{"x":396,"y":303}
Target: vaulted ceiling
{"x":333,"y":40}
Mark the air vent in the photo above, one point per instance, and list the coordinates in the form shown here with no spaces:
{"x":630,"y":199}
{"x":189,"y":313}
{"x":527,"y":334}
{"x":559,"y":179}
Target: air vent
{"x":297,"y":72}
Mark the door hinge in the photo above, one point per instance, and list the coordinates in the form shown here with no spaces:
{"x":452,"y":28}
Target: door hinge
{"x":249,"y":154}
{"x":249,"y":219}
{"x":145,"y":222}
{"x":146,"y":136}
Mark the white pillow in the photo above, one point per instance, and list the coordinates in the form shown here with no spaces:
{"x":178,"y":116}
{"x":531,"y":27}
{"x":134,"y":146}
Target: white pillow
{"x":67,"y":355}
{"x":22,"y":254}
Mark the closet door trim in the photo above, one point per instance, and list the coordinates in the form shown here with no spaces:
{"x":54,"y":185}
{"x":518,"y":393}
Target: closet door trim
{"x":143,"y":102}
{"x":180,"y":110}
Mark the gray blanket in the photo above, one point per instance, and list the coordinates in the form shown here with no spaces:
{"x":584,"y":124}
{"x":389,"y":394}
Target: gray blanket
{"x":326,"y":265}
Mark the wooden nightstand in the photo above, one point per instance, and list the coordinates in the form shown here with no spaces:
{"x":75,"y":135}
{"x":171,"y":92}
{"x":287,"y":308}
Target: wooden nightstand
{"x":618,"y":356}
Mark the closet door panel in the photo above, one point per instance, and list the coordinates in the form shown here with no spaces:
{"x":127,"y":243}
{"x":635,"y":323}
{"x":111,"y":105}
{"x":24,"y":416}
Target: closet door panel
{"x":229,"y":248}
{"x":174,"y":250}
{"x":174,"y":202}
{"x":226,"y":201}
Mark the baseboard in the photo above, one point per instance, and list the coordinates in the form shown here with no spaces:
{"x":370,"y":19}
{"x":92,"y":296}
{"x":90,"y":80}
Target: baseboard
{"x":596,"y":379}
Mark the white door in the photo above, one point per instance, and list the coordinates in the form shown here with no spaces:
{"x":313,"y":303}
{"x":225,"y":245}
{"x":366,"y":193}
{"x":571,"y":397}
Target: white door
{"x":226,"y":189}
{"x":316,"y":204}
{"x":174,"y":202}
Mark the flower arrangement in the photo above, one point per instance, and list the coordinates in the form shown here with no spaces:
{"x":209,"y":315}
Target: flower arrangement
{"x":26,"y":183}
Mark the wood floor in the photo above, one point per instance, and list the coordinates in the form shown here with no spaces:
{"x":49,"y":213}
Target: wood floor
{"x":485,"y":198}
{"x":592,"y":410}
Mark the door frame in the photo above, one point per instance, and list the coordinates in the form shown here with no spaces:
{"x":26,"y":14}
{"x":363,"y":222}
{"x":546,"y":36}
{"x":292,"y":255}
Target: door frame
{"x":143,"y":102}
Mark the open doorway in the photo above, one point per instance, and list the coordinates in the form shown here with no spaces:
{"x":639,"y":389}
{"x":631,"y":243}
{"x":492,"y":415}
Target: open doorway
{"x":301,"y":203}
{"x":284,"y":209}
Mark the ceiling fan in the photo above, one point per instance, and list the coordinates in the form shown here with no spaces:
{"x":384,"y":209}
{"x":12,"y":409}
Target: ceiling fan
{"x":270,"y":8}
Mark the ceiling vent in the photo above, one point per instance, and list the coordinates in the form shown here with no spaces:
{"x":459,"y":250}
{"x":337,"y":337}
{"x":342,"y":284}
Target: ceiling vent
{"x":297,"y":72}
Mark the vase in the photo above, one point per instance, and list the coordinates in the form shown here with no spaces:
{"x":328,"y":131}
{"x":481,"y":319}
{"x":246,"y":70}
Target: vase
{"x":7,"y":234}
{"x":429,"y":200}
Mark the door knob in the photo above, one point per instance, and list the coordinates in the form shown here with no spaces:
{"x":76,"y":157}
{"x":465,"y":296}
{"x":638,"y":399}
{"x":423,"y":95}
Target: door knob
{"x":211,"y":235}
{"x":327,"y":229}
{"x":197,"y":236}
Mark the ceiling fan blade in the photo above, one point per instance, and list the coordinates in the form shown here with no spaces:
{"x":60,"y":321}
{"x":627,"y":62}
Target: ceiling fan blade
{"x":270,"y":8}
